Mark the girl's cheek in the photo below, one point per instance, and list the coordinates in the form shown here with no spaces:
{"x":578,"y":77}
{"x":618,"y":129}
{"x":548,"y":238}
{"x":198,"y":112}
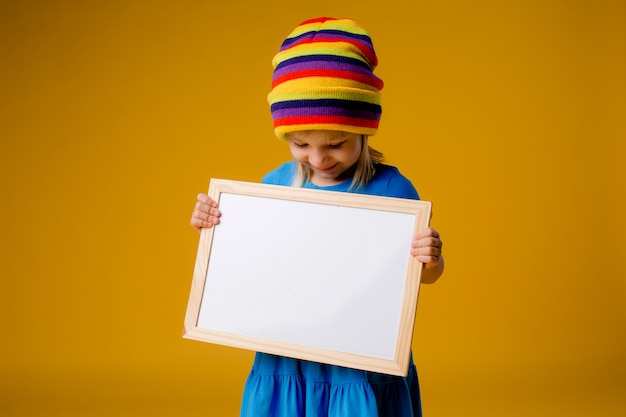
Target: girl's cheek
{"x":298,"y":155}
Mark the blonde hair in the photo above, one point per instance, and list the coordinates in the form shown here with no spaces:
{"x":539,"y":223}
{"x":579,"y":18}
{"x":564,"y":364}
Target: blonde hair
{"x":365,"y":165}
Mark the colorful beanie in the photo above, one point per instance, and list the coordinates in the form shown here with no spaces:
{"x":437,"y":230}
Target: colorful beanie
{"x":323,"y":79}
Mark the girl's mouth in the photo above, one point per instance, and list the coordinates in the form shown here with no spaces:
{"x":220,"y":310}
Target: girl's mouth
{"x":328,"y":169}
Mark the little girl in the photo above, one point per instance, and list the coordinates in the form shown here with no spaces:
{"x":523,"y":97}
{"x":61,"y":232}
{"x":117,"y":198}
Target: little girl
{"x":325,"y":102}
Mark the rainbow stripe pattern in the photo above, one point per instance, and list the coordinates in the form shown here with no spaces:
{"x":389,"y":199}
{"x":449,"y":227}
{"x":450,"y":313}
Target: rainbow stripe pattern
{"x":323,"y":79}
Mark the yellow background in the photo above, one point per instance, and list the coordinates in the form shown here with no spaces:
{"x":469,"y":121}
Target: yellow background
{"x":508,"y":116}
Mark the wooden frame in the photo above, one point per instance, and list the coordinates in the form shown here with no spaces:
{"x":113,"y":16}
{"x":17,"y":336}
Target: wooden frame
{"x":309,"y":274}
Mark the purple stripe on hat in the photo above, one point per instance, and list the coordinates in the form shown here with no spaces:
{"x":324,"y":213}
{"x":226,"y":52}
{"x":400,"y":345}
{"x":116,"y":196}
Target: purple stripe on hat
{"x":325,"y":111}
{"x":326,"y":102}
{"x":333,"y":34}
{"x":329,"y":33}
{"x":306,"y":65}
{"x":324,"y":57}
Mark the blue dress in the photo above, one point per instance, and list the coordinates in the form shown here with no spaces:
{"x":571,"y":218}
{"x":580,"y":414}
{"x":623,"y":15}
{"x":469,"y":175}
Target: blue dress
{"x":285,"y":387}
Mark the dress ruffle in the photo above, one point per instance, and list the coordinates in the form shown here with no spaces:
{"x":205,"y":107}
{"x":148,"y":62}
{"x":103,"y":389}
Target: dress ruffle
{"x":284,"y":387}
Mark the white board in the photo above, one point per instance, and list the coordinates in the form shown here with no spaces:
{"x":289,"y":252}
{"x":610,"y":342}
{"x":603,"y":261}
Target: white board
{"x":309,"y":274}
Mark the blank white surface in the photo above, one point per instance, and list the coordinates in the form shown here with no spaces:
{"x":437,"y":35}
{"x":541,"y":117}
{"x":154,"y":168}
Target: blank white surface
{"x":264,"y":280}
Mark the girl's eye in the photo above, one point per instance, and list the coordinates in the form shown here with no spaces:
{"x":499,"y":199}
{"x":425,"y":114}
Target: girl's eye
{"x":335,"y":145}
{"x":299,"y":145}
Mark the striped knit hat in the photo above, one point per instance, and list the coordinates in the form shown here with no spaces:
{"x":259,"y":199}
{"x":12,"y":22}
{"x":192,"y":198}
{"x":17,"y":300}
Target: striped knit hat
{"x":323,"y":79}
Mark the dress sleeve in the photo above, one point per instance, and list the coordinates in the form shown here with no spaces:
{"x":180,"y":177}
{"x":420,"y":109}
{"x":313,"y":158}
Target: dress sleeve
{"x":269,"y":178}
{"x":283,"y":175}
{"x":399,"y":186}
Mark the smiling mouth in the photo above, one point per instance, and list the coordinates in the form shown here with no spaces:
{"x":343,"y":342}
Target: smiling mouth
{"x":326,"y":170}
{"x":330,"y":168}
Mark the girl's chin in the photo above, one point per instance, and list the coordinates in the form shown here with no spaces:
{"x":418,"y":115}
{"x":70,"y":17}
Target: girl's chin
{"x":326,"y":178}
{"x":329,"y":176}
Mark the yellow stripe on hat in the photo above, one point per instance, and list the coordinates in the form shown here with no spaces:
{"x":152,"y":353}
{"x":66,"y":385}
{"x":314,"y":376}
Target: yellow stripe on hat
{"x":343,"y":49}
{"x":325,"y":87}
{"x":345,"y":25}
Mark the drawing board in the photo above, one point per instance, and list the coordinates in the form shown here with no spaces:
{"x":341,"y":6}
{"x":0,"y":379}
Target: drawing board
{"x":309,"y":274}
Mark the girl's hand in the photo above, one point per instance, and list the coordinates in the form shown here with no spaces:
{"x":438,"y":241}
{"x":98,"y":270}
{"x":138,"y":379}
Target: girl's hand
{"x":205,"y":213}
{"x":426,"y":247}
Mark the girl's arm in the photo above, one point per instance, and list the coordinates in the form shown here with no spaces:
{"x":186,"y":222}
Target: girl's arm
{"x":205,"y":213}
{"x":426,"y":247}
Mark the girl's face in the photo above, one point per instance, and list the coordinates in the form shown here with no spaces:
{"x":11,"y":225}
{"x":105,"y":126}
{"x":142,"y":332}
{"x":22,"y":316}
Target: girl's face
{"x":331,"y":155}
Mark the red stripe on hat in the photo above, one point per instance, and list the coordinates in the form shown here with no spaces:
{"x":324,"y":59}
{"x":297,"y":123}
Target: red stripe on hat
{"x":347,"y":75}
{"x":319,"y":19}
{"x":316,"y":120}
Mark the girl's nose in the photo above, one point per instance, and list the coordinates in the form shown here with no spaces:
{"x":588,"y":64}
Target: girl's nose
{"x":317,"y":158}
